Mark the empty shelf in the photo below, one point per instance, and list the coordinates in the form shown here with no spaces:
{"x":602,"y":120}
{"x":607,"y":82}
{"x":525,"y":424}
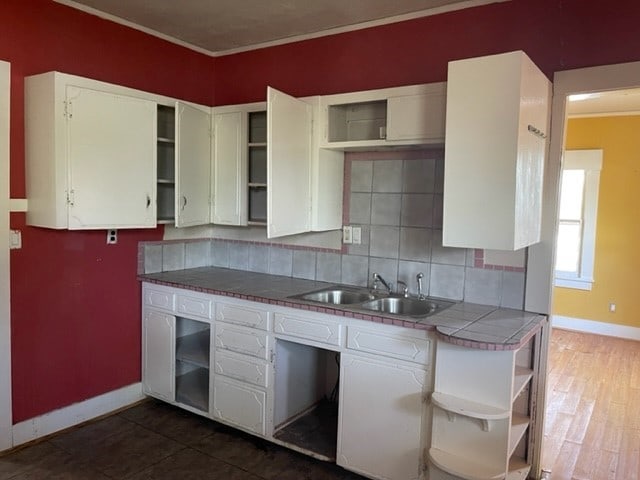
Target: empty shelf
{"x":520,"y":380}
{"x":193,"y":389}
{"x":468,"y":408}
{"x":463,"y":467}
{"x":519,"y":425}
{"x":194,"y":348}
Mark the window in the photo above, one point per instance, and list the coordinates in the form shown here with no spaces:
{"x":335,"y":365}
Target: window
{"x":576,"y":241}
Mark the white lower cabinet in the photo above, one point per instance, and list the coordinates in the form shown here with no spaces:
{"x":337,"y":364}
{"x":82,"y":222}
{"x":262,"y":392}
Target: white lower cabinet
{"x":239,"y":404}
{"x":382,"y":421}
{"x":158,"y":354}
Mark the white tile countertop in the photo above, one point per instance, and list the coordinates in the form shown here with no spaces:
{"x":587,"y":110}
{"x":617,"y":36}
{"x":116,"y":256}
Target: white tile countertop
{"x":466,"y":324}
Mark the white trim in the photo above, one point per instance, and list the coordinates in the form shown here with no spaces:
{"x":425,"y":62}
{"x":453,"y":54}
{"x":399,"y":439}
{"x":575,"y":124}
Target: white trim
{"x":296,"y":38}
{"x":18,"y":204}
{"x":5,"y":313}
{"x":75,"y":414}
{"x":577,"y":284}
{"x":598,"y":328}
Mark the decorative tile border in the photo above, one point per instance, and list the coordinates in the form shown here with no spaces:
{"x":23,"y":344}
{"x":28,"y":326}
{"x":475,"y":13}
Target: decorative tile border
{"x":478,"y":262}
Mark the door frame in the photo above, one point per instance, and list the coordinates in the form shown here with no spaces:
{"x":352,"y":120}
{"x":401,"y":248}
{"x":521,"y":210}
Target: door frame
{"x":6,"y":419}
{"x":541,"y":257}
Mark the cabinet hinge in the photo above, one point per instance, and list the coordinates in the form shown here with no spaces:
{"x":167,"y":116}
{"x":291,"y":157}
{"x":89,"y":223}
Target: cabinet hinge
{"x":426,"y":398}
{"x":70,"y":197}
{"x":68,"y":112}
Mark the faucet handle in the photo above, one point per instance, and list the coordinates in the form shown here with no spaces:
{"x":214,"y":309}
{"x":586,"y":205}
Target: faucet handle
{"x":405,"y":288}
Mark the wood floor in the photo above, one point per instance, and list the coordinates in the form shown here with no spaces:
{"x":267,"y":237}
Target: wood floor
{"x":592,"y":429}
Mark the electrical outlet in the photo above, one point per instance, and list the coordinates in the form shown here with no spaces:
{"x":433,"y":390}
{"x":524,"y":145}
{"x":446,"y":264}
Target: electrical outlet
{"x":112,"y":237}
{"x":612,"y":307}
{"x":347,"y":234}
{"x":356,"y":236}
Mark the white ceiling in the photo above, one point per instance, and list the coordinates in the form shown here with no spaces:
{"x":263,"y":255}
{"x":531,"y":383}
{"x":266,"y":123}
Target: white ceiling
{"x":227,"y":26}
{"x":615,"y":102}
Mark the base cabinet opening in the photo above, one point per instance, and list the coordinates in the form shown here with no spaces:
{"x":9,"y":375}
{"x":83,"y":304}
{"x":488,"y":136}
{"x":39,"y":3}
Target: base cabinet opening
{"x":193,"y":340}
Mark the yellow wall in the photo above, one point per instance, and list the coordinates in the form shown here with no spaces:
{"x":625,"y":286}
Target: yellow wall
{"x":617,"y":258}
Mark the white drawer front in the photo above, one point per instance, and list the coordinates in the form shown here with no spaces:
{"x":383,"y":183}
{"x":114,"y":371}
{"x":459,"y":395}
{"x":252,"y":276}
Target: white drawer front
{"x":194,"y":306}
{"x":243,"y":315}
{"x":402,"y":347}
{"x":240,"y":367}
{"x":240,"y":405}
{"x":319,"y":331}
{"x":242,"y":340}
{"x":160,"y":299}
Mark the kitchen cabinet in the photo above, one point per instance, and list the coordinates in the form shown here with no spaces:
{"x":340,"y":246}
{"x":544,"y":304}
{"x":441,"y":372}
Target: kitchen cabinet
{"x":158,"y":353}
{"x":90,"y":154}
{"x":382,"y":418}
{"x":497,"y":121}
{"x":411,"y":115}
{"x":482,"y":412}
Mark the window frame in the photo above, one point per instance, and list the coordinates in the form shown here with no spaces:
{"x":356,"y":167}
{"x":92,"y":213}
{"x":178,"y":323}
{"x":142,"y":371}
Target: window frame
{"x":591,"y":162}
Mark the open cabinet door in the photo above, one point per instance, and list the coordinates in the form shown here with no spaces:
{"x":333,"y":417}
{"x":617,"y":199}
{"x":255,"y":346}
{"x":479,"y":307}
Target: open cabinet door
{"x":6,"y":436}
{"x":193,"y":164}
{"x":288,"y":165}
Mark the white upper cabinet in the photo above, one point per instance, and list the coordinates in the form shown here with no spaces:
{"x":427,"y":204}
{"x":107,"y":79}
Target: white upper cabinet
{"x":288,"y":165}
{"x":496,"y":128}
{"x":193,"y":163}
{"x":90,"y":154}
{"x":411,"y":115}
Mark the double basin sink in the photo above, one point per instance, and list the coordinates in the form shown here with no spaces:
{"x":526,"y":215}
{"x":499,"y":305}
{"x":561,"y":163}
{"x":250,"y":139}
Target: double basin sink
{"x":362,"y":299}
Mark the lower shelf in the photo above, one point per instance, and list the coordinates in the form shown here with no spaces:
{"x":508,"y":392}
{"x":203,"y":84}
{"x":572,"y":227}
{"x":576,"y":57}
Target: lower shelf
{"x":462,"y":467}
{"x":192,"y":388}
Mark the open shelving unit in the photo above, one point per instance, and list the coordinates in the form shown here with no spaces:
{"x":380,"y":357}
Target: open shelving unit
{"x":257,"y":160}
{"x":482,"y":413}
{"x":193,"y":352}
{"x":166,"y":175}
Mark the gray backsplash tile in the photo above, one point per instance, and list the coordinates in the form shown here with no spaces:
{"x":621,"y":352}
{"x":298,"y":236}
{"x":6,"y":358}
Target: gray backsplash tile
{"x":198,"y":254}
{"x":152,"y":258}
{"x":513,"y":290}
{"x":446,"y":281}
{"x":418,"y":176}
{"x":483,"y":286}
{"x":363,"y":248}
{"x":355,"y":270}
{"x":387,"y":176}
{"x":173,"y":256}
{"x":439,"y":180}
{"x":220,"y":253}
{"x":328,"y":267}
{"x":417,"y":210}
{"x":361,"y":176}
{"x":239,"y":256}
{"x":437,"y":211}
{"x":386,"y":267}
{"x":415,"y":244}
{"x":408,"y":271}
{"x":259,"y":258}
{"x":360,"y":208}
{"x":281,"y":261}
{"x":304,"y":264}
{"x":385,"y":241}
{"x":446,"y":255}
{"x":385,"y":208}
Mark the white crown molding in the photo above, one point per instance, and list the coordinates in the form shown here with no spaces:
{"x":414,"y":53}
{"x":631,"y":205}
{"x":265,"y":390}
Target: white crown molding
{"x":282,"y":41}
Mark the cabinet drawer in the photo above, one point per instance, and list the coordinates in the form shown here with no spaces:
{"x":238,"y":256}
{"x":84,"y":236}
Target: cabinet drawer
{"x":243,"y":368}
{"x":402,"y":347}
{"x":243,"y":315}
{"x":193,"y":306}
{"x":242,"y":340}
{"x":311,"y":329}
{"x":160,"y":299}
{"x":240,"y":405}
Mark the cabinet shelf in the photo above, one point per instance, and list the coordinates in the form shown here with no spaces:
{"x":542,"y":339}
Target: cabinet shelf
{"x":192,"y":389}
{"x":518,"y":469}
{"x":257,"y":185}
{"x":463,"y":467}
{"x":468,"y":408}
{"x":166,"y":140}
{"x":521,"y":378}
{"x":194,"y":349}
{"x":519,"y":425}
{"x":166,"y":181}
{"x":257,"y":144}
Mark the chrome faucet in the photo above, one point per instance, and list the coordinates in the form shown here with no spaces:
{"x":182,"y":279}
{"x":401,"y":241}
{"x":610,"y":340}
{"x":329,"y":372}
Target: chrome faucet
{"x":419,"y":278}
{"x":377,"y":278}
{"x":405,"y":288}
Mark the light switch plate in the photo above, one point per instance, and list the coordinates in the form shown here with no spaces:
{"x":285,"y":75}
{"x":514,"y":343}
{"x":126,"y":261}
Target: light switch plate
{"x":15,"y":239}
{"x":347,"y":233}
{"x":356,"y":235}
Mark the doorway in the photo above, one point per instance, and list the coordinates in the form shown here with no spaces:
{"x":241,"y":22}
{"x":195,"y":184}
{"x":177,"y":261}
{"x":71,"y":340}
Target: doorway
{"x":6,"y":440}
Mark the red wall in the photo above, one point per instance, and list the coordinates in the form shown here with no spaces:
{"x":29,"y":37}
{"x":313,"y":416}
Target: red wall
{"x":75,"y":302}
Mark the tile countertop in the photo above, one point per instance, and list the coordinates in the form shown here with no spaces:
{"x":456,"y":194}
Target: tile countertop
{"x":466,"y":324}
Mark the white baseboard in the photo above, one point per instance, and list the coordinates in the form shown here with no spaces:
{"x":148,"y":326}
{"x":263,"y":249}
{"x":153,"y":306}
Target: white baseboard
{"x":66,"y":417}
{"x":599,"y":328}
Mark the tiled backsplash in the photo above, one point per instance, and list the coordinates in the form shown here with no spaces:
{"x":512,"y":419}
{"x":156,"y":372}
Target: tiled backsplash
{"x":396,"y":199}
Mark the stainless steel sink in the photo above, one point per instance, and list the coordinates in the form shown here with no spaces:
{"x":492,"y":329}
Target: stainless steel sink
{"x":401,"y":306}
{"x":336,"y":296}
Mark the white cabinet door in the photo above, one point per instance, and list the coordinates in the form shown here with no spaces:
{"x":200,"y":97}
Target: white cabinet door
{"x":229,"y":175}
{"x":158,"y":355}
{"x":288,"y":165}
{"x":416,"y":117}
{"x":381,"y":423}
{"x":240,"y":405}
{"x":193,"y":163}
{"x":112,"y":160}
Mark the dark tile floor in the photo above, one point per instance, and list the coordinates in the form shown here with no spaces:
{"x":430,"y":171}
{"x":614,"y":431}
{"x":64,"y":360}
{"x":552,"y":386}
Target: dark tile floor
{"x":153,"y":440}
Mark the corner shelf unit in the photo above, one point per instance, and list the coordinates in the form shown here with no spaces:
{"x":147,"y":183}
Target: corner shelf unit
{"x":482,"y":413}
{"x":257,"y":168}
{"x":166,"y":177}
